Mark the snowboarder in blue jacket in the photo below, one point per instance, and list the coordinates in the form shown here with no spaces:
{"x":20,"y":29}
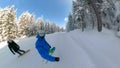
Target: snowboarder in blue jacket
{"x":43,"y":47}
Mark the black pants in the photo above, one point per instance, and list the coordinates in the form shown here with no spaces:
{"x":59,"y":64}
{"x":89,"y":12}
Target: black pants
{"x":19,"y":52}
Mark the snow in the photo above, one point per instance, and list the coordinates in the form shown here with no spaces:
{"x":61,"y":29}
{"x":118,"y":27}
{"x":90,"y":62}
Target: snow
{"x":76,"y":49}
{"x":117,"y":34}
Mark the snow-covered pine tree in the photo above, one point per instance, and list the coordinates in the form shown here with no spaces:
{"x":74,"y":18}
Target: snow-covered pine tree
{"x":108,"y":13}
{"x":40,"y":23}
{"x":96,"y":5}
{"x":31,"y":30}
{"x":24,"y":22}
{"x":8,"y":22}
{"x":88,"y":12}
{"x":47,"y":27}
{"x":70,"y":23}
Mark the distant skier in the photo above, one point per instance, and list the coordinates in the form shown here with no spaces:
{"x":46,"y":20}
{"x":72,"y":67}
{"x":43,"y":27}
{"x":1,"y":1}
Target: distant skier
{"x":14,"y":47}
{"x":44,"y":48}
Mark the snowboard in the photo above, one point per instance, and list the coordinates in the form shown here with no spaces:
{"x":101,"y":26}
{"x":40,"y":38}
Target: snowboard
{"x":24,"y":53}
{"x":51,"y":51}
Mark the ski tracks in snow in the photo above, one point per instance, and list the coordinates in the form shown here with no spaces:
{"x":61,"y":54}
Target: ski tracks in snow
{"x":72,"y":52}
{"x":97,"y":59}
{"x":76,"y":50}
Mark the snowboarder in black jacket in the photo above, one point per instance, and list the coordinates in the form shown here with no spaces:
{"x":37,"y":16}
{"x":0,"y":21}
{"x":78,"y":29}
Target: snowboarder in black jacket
{"x":14,"y":47}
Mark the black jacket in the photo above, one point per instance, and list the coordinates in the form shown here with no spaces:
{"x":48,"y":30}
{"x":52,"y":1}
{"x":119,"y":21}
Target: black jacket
{"x":13,"y":46}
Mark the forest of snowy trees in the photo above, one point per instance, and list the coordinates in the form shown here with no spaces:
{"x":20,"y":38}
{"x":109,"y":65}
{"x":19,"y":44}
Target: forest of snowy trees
{"x":85,"y":14}
{"x":90,"y":14}
{"x":25,"y":25}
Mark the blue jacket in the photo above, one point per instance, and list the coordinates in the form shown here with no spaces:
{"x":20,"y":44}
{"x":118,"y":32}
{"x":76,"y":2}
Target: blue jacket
{"x":43,"y":48}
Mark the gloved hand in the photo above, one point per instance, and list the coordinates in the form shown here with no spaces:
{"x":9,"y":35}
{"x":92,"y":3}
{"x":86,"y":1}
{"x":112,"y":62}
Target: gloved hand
{"x":52,"y":50}
{"x":57,"y":59}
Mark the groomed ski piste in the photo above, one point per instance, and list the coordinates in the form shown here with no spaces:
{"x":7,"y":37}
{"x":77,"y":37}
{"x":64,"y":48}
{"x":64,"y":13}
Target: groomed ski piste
{"x":76,"y":49}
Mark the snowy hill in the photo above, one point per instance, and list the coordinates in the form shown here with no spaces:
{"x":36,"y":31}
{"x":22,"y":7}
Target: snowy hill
{"x":76,"y":49}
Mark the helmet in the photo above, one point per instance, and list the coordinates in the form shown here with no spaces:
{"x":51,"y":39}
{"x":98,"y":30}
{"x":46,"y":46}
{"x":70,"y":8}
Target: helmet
{"x":9,"y":39}
{"x":41,"y":33}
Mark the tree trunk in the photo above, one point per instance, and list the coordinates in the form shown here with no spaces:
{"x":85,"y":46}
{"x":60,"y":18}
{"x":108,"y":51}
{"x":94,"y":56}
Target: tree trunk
{"x":99,"y":27}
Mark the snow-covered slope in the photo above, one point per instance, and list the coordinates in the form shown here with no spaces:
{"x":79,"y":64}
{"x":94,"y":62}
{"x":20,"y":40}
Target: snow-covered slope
{"x":76,"y":49}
